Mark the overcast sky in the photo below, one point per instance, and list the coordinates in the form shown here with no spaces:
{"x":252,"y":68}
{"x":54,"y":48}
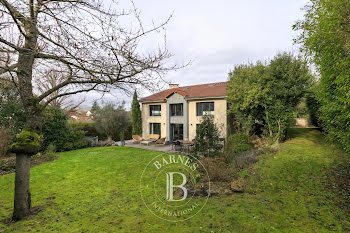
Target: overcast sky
{"x":217,"y":35}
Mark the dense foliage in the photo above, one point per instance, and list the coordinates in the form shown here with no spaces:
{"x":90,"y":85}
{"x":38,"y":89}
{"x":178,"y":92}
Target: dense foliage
{"x":58,"y":133}
{"x":136,"y":116}
{"x":112,"y":120}
{"x":207,"y":141}
{"x":263,"y":97}
{"x":313,"y":106}
{"x":12,"y":115}
{"x":326,"y":40}
{"x":237,"y":143}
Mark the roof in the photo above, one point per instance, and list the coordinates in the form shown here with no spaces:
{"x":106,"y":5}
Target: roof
{"x":190,"y":92}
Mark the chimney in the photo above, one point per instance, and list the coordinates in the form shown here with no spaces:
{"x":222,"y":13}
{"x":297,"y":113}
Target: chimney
{"x":173,"y":85}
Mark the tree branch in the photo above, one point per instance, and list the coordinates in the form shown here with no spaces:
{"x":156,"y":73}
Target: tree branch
{"x":11,"y":45}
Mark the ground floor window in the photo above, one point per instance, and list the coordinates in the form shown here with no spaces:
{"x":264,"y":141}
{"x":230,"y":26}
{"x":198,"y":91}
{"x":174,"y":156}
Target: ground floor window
{"x":177,"y":131}
{"x":154,"y":128}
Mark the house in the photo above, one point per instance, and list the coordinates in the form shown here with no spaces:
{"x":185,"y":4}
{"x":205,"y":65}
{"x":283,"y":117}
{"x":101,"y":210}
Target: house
{"x":80,"y":116}
{"x":175,"y":113}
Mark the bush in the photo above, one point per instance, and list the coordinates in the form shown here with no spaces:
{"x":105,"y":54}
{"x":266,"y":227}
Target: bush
{"x":57,"y":132}
{"x":88,"y":128}
{"x":246,"y":158}
{"x":207,"y":141}
{"x":235,"y":144}
{"x":313,"y":108}
{"x":218,"y":170}
{"x":74,"y":139}
{"x":50,"y":153}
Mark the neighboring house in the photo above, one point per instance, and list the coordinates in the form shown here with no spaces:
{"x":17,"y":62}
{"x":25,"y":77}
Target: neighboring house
{"x":175,"y":113}
{"x":80,"y":116}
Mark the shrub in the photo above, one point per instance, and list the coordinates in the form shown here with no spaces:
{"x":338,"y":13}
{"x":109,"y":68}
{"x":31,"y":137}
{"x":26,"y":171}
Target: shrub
{"x":207,"y":141}
{"x":313,"y":108}
{"x":54,"y":128}
{"x":74,"y":139}
{"x":50,"y":153}
{"x":246,"y":158}
{"x":57,"y":132}
{"x":218,"y":170}
{"x":235,"y":144}
{"x":88,"y":128}
{"x":3,"y":165}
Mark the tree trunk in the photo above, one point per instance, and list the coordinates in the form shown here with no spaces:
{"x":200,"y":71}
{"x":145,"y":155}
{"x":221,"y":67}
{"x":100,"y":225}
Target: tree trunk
{"x":22,"y":201}
{"x":22,"y":204}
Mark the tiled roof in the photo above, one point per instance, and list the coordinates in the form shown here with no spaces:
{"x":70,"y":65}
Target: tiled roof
{"x":195,"y":91}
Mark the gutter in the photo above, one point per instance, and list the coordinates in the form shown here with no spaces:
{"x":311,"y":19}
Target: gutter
{"x":206,"y":97}
{"x":189,"y":98}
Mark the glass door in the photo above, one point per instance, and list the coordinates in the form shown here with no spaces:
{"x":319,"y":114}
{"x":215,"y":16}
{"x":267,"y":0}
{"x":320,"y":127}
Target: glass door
{"x":177,"y":131}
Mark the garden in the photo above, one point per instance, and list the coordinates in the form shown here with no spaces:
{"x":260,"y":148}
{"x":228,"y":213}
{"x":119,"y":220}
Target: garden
{"x":300,"y":188}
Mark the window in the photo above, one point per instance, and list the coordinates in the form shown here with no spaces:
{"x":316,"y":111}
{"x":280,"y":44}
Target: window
{"x":205,"y":108}
{"x":177,"y":131}
{"x":176,"y":109}
{"x":155,"y":110}
{"x":154,"y":128}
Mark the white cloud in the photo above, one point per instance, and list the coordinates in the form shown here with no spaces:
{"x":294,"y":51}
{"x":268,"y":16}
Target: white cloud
{"x":219,"y":34}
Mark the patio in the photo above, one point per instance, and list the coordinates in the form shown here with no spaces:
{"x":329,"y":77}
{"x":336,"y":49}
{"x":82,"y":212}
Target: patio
{"x":156,"y":147}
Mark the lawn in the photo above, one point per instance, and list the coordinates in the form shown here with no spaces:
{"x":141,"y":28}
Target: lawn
{"x":97,"y":190}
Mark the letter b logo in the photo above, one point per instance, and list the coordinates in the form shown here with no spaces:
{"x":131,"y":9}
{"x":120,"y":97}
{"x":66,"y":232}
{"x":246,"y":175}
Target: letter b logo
{"x":170,"y":186}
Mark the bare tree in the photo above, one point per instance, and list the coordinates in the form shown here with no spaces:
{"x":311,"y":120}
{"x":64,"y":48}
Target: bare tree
{"x":93,"y":46}
{"x":49,"y":80}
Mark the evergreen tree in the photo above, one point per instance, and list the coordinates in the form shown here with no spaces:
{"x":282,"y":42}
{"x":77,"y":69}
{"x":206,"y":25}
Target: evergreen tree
{"x":207,"y":141}
{"x":95,"y":108}
{"x":136,"y":116}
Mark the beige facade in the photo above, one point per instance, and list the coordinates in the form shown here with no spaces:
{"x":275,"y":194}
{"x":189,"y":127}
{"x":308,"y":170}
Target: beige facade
{"x":147,"y":119}
{"x":220,"y":117}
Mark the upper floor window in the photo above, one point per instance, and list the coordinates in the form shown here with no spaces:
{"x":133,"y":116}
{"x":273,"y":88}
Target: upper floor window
{"x":176,"y":109}
{"x":205,"y":108}
{"x":155,"y":110}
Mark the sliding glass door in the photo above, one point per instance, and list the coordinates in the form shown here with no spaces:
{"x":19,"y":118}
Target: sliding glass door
{"x":177,"y":132}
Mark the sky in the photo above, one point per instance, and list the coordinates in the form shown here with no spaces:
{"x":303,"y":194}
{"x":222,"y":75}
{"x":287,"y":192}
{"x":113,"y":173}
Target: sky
{"x":215,"y":36}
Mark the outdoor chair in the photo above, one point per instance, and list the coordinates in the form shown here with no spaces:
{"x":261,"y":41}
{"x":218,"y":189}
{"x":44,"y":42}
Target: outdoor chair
{"x":137,"y":138}
{"x":150,"y":139}
{"x":160,"y":142}
{"x":177,"y":146}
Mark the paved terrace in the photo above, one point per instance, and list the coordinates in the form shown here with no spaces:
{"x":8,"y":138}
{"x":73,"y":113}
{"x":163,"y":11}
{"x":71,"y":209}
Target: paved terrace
{"x":154,"y":147}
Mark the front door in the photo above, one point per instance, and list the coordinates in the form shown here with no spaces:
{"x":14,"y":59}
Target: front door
{"x":176,"y":132}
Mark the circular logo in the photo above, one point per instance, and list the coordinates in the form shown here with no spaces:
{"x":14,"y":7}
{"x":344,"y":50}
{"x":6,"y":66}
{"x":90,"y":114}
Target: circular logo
{"x":171,"y":186}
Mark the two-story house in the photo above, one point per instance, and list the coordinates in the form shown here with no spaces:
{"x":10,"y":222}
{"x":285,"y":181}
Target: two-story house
{"x":175,"y":113}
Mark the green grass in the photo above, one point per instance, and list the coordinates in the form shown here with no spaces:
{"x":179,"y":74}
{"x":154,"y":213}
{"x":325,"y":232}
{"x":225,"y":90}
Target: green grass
{"x":97,"y":190}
